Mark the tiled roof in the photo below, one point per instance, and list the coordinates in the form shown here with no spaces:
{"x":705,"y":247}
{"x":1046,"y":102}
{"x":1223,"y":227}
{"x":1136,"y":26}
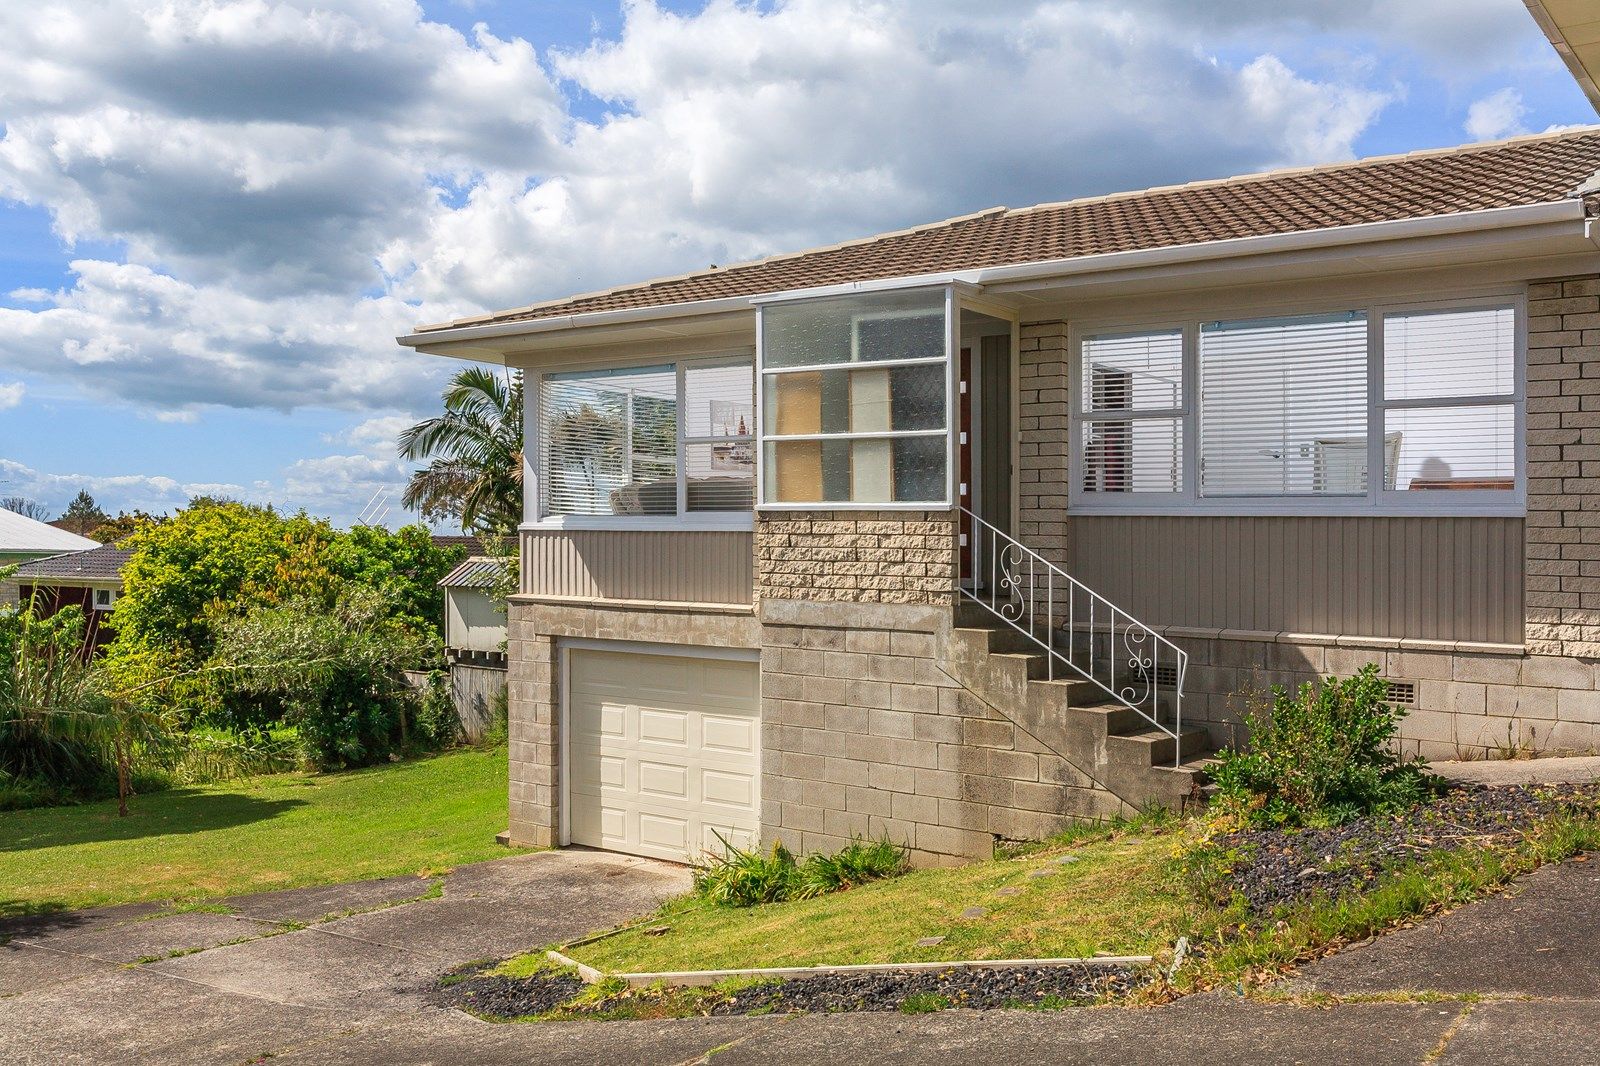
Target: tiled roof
{"x":476,"y":573}
{"x":474,"y":545}
{"x":1520,"y":172}
{"x":97,"y":564}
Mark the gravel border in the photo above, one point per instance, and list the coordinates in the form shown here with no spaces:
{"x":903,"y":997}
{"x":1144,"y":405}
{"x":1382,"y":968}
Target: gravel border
{"x":1273,"y":868}
{"x":974,"y":989}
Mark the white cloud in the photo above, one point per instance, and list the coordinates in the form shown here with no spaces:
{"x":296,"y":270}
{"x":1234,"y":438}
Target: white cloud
{"x":1497,"y":115}
{"x":293,"y":182}
{"x":11,"y":394}
{"x":374,"y":437}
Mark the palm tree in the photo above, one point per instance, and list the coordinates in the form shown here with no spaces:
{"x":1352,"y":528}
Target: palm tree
{"x":474,"y":454}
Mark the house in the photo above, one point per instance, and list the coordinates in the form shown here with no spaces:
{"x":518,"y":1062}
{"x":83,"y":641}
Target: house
{"x":90,"y":580}
{"x":23,"y":539}
{"x":964,"y":532}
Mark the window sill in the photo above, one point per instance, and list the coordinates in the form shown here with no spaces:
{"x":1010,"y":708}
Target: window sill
{"x":732,"y":522}
{"x":1082,"y":510}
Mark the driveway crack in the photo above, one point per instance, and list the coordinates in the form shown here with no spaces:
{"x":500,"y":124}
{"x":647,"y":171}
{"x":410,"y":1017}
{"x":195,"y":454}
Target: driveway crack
{"x":1449,"y":1034}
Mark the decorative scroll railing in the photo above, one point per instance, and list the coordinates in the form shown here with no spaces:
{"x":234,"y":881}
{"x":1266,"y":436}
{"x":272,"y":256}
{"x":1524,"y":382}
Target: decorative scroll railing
{"x":1076,"y":627}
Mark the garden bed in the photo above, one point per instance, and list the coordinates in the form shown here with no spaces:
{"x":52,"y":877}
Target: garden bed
{"x":560,"y":993}
{"x":1273,"y":868}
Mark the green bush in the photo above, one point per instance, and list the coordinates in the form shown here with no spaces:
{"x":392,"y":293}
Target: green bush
{"x":735,"y":877}
{"x":50,"y":710}
{"x":437,"y":724}
{"x":339,"y":671}
{"x":1320,"y":756}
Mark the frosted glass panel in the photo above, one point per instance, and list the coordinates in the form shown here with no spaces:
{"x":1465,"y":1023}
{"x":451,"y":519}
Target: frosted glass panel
{"x":855,"y":329}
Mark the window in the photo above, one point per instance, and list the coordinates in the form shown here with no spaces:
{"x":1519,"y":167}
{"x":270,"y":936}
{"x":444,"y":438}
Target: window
{"x":648,"y":441}
{"x":1281,"y":412}
{"x":1283,"y":406}
{"x":855,"y":399}
{"x":104,"y":599}
{"x":1448,"y":387}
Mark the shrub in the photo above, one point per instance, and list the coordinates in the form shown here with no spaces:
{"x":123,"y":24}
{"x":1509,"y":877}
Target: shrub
{"x":736,"y":877}
{"x":1320,"y":756}
{"x":437,"y":723}
{"x":50,"y":707}
{"x":339,"y":671}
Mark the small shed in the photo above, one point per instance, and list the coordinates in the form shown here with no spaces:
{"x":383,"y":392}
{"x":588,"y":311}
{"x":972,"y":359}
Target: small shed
{"x":473,"y":628}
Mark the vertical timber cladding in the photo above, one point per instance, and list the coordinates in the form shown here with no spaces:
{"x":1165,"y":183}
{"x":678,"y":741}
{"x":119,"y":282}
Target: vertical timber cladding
{"x":863,"y":733}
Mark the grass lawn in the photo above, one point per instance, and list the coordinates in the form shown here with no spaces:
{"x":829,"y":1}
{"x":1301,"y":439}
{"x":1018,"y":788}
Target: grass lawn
{"x":1118,"y":898}
{"x":280,"y":831}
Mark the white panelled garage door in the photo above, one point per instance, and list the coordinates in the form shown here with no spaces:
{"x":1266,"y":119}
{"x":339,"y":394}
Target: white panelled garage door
{"x":662,"y":750}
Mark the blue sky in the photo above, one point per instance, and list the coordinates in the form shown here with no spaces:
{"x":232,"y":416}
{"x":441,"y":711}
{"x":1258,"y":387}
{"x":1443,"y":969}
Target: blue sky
{"x":214,"y":219}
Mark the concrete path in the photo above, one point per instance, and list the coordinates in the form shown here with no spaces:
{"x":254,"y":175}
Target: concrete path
{"x":1560,"y":770}
{"x":1508,"y":979}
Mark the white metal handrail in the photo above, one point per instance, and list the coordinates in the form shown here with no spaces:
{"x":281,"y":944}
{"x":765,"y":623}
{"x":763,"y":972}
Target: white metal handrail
{"x":1054,"y":609}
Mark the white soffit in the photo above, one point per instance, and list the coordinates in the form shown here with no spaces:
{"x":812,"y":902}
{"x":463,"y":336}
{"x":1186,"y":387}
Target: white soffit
{"x":1573,"y":27}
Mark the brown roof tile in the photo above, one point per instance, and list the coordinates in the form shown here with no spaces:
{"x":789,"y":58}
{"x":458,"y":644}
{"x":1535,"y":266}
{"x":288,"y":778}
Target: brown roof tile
{"x":1524,"y":171}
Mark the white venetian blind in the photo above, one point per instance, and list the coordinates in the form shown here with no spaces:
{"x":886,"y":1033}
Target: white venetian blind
{"x":719,"y":458}
{"x":610,"y":442}
{"x":1283,"y":406}
{"x":1138,"y":376}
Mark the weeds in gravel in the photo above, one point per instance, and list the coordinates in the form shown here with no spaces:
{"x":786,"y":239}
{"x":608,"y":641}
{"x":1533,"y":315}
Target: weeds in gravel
{"x":924,"y":1003}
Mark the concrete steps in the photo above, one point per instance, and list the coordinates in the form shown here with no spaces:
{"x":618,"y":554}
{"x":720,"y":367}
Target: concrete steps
{"x":1115,"y":745}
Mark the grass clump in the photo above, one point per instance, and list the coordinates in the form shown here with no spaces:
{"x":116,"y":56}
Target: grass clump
{"x":1320,"y":756}
{"x":736,"y":877}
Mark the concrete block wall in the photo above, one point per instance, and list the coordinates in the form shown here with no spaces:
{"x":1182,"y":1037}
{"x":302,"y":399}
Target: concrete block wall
{"x":1469,"y":705}
{"x":864,"y":734}
{"x":1563,"y":525}
{"x":856,"y":556}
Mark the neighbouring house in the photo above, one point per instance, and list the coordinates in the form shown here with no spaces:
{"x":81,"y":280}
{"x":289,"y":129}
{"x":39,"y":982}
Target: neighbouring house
{"x":23,"y":539}
{"x":91,"y":580}
{"x":964,"y":532}
{"x":475,"y":642}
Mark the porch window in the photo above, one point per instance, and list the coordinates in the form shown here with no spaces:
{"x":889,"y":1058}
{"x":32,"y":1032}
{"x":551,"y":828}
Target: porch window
{"x":855,"y":399}
{"x":650,"y":440}
{"x":1285,"y":413}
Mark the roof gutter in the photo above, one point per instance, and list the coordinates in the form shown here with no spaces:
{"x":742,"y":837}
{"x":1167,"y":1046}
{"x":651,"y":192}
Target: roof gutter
{"x":1019,"y":275}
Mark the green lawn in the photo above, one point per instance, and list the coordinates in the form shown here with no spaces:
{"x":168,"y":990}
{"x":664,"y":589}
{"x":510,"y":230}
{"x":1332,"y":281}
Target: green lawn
{"x":263,"y":833}
{"x":1118,"y":898}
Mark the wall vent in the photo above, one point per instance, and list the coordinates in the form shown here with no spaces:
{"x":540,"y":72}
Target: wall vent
{"x":1402,"y":692}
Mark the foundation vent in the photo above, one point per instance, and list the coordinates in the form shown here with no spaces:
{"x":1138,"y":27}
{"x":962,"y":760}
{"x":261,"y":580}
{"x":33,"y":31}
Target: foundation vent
{"x":1403,"y":693}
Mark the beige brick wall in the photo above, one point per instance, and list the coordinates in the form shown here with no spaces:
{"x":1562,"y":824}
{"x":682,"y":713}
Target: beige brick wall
{"x":1044,"y":427}
{"x":856,"y":556}
{"x":1563,"y":527}
{"x":863,"y":734}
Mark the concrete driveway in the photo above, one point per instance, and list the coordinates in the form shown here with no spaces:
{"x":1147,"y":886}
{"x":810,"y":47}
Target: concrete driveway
{"x":1519,"y":976}
{"x":137,"y":984}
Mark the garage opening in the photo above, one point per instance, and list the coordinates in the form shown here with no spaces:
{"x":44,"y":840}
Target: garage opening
{"x":663,"y":752}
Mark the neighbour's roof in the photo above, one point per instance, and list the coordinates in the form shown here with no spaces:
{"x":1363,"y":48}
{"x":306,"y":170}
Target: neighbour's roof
{"x":1524,"y":171}
{"x":476,"y":573}
{"x":474,"y":545}
{"x":22,"y":534}
{"x":98,"y":564}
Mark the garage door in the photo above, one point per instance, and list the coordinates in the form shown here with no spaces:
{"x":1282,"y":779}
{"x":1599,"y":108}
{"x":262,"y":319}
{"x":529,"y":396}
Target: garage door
{"x":663,"y":752}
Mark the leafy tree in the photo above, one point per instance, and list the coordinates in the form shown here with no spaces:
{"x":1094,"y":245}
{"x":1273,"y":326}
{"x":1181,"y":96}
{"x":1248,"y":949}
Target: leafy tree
{"x":339,"y":670}
{"x":404,"y":567}
{"x":474,"y":454}
{"x":83,"y":515}
{"x":114,"y":530}
{"x":26,"y":508}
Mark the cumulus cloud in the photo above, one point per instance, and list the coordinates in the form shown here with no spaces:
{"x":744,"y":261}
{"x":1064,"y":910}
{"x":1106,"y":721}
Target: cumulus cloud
{"x":1497,"y":115}
{"x":11,"y":394}
{"x":296,"y":181}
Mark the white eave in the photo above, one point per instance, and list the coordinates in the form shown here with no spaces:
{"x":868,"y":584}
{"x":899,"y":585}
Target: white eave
{"x":1558,"y":228}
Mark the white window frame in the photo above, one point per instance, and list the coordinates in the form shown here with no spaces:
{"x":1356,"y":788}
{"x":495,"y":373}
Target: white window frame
{"x":952,"y":343}
{"x":1377,"y":500}
{"x":533,"y":462}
